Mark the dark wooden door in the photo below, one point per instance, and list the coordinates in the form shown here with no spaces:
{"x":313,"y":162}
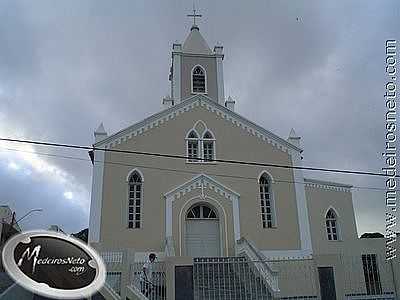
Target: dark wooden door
{"x":184,"y":283}
{"x":327,"y":283}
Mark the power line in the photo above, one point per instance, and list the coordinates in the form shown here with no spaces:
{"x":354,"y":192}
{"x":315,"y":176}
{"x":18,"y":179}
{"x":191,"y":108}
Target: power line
{"x":175,"y":170}
{"x":186,"y":157}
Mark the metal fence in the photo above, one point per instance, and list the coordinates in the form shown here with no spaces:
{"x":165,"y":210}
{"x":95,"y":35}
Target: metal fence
{"x":355,"y":277}
{"x":153,"y":284}
{"x":364,"y":276}
{"x":228,"y":278}
{"x":367,"y":276}
{"x":240,"y":278}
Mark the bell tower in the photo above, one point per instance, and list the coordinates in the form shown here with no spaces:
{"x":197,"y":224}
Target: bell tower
{"x":196,"y":69}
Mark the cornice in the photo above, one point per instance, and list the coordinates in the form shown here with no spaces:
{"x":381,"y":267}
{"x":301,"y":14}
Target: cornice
{"x":327,"y":185}
{"x":158,"y":119}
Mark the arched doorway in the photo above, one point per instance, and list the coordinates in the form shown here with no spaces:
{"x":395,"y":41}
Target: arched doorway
{"x":202,"y":231}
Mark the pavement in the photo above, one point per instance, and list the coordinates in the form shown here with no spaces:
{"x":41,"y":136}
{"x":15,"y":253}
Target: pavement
{"x":5,"y":282}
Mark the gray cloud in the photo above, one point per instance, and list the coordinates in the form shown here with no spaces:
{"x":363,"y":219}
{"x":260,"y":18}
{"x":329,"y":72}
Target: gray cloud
{"x":311,"y":65}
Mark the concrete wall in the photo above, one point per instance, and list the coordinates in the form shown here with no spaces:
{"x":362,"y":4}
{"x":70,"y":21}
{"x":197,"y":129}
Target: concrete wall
{"x":297,"y":277}
{"x":300,"y":277}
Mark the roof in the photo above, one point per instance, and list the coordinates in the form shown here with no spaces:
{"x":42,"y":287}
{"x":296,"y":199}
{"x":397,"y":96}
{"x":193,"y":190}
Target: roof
{"x":162,"y":117}
{"x":100,"y":129}
{"x":195,"y":43}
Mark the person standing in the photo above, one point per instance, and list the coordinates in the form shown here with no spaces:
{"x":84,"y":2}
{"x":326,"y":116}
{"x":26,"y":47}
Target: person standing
{"x":147,"y":275}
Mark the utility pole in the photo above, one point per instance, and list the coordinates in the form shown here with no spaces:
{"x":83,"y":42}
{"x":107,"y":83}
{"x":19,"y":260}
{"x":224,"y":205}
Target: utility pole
{"x":11,"y":225}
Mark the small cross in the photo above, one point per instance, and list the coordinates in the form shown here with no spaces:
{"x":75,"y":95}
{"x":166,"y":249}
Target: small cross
{"x":194,"y":15}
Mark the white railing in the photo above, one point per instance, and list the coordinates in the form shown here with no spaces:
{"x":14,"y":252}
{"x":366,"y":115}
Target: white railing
{"x":113,"y":279}
{"x":270,"y":276}
{"x":153,"y":285}
{"x":109,"y":293}
{"x":112,"y":257}
{"x":133,"y":293}
{"x":114,"y":265}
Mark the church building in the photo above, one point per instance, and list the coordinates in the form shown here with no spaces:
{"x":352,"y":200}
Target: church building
{"x":178,"y":184}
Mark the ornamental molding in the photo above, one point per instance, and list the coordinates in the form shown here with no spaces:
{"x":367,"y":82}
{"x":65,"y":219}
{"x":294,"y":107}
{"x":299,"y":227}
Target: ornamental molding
{"x":201,"y":182}
{"x":186,"y":54}
{"x":158,"y":119}
{"x":332,"y":186}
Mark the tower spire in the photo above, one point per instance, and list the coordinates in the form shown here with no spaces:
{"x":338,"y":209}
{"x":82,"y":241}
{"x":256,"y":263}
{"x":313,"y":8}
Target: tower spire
{"x":194,"y":15}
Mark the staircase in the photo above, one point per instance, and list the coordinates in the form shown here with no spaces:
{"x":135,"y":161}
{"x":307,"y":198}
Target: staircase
{"x":228,"y":278}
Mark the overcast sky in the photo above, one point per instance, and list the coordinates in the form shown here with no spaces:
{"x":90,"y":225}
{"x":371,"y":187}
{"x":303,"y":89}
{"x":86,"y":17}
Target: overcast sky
{"x":67,"y":66}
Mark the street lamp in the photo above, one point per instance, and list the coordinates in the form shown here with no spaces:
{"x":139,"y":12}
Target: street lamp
{"x":8,"y":230}
{"x":28,"y":213}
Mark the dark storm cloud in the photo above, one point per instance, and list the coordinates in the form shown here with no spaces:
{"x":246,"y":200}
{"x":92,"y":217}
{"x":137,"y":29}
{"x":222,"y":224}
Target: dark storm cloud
{"x":23,"y":193}
{"x":311,"y":65}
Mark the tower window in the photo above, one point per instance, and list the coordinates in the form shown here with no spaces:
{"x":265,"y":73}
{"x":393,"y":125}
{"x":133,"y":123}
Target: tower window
{"x":198,"y":80}
{"x":135,"y":200}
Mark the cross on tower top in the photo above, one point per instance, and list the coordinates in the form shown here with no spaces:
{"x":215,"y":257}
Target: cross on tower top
{"x":194,"y":15}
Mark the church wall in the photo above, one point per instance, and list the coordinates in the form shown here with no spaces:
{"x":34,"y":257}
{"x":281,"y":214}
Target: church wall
{"x":319,"y":200}
{"x":231,"y":143}
{"x":161,"y":175}
{"x":345,"y":255}
{"x":209,"y":64}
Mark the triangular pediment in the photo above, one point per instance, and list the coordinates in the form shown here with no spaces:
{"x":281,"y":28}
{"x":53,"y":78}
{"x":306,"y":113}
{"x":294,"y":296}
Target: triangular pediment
{"x":158,"y":119}
{"x":202,"y":182}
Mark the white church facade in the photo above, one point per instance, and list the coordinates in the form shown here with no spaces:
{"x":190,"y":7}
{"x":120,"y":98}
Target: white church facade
{"x":176,"y":184}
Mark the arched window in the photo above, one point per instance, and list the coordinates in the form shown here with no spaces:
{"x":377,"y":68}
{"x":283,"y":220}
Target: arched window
{"x":201,"y":211}
{"x":208,"y":146}
{"x":200,"y":144}
{"x":135,"y":182}
{"x":192,"y":141}
{"x":266,"y":201}
{"x":198,"y":80}
{"x":331,"y":225}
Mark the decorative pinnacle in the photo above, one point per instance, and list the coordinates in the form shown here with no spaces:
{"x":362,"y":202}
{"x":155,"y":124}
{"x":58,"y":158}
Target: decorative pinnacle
{"x":100,"y":129}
